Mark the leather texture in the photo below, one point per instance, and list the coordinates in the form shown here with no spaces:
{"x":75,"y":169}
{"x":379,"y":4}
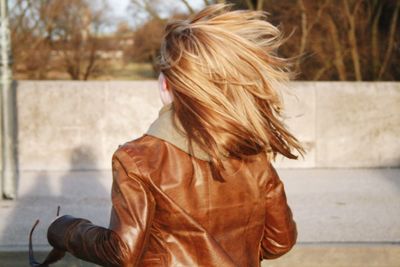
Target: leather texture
{"x":167,"y":210}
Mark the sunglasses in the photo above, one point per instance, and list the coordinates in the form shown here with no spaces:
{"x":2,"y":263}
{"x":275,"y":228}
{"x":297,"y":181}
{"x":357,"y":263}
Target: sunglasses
{"x":53,"y":256}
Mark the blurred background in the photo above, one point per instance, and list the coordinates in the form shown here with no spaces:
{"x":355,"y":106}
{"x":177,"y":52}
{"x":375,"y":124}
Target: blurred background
{"x":108,"y":39}
{"x":78,"y":79}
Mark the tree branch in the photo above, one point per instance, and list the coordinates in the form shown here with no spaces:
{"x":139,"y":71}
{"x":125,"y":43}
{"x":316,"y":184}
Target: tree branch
{"x":188,"y":6}
{"x":249,"y":4}
{"x":375,"y":40}
{"x":339,"y":62}
{"x":304,"y":33}
{"x":391,"y":40}
{"x":351,"y":35}
{"x":321,"y":71}
{"x":260,"y":4}
{"x":146,"y":6}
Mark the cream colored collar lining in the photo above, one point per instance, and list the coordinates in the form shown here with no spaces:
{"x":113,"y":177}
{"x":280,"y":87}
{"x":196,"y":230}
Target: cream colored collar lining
{"x":163,"y":128}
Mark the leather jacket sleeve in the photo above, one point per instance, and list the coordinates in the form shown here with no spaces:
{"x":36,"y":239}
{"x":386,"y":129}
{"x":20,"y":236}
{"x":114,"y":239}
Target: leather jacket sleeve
{"x":132,"y":212}
{"x":280,"y":232}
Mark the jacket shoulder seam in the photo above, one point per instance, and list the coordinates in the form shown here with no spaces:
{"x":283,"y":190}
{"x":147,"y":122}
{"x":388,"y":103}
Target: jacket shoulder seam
{"x":123,"y":152}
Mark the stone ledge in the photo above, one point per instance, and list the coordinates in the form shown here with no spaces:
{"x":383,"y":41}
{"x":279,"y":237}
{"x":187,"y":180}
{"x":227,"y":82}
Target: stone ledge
{"x":77,"y":125}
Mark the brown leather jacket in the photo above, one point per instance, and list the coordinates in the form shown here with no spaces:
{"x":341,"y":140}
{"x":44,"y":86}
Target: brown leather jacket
{"x":168,"y":210}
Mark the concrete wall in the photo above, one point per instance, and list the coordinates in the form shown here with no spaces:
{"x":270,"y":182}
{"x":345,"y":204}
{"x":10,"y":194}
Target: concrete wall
{"x":64,"y":125}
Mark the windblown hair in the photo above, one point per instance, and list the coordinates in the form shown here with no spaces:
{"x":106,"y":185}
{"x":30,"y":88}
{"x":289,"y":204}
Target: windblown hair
{"x":224,"y":72}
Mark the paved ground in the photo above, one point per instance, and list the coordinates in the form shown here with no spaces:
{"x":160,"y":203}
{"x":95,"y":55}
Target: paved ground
{"x":339,"y":255}
{"x":345,"y":217}
{"x":301,"y":256}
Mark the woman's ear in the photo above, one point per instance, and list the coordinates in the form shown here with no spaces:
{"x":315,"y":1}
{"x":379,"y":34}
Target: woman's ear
{"x":165,"y":92}
{"x":164,"y":84}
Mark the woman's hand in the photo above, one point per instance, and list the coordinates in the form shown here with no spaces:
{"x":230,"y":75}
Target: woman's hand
{"x":57,"y":215}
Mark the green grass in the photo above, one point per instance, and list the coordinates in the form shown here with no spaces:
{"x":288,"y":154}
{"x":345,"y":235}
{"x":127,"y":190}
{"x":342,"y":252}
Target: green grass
{"x":114,"y":70}
{"x":130,"y":71}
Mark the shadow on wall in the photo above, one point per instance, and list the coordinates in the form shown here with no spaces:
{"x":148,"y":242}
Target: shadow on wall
{"x":82,"y":157}
{"x":79,"y":193}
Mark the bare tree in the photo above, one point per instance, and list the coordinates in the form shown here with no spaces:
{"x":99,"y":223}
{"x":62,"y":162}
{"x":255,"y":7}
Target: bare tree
{"x":338,"y":49}
{"x":147,"y":41}
{"x":55,"y":34}
{"x":374,"y":18}
{"x":351,"y":35}
{"x":147,"y":6}
{"x":391,"y":39}
{"x":307,"y":26}
{"x":345,"y":40}
{"x":76,"y":32}
{"x":147,"y":38}
{"x":30,"y":36}
{"x":154,"y":8}
{"x":339,"y":40}
{"x":188,"y":6}
{"x":251,"y":4}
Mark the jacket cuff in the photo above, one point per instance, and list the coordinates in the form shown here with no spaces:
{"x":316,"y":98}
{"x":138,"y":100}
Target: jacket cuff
{"x":59,"y":230}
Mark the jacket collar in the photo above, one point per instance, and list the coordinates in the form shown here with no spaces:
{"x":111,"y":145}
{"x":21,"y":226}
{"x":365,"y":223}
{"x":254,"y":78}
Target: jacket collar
{"x":164,"y":128}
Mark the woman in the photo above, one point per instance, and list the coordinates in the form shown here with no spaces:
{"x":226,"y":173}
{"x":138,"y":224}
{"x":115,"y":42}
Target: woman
{"x":198,"y":188}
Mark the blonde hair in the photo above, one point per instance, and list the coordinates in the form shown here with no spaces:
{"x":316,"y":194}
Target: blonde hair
{"x":224,"y":73}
